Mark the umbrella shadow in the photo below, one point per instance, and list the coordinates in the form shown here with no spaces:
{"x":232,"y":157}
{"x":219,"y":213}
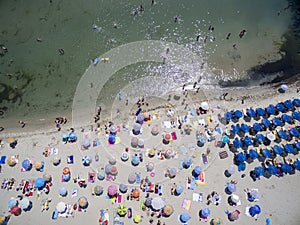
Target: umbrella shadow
{"x":247,"y":119}
{"x":223,"y":121}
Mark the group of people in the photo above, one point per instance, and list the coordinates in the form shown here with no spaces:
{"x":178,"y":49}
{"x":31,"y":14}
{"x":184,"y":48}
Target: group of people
{"x":59,"y":121}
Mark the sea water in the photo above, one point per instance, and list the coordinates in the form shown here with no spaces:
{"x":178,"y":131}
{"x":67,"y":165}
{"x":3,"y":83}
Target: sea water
{"x":50,"y":44}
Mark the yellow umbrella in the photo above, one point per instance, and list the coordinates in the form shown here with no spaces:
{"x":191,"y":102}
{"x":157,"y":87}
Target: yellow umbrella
{"x":2,"y":219}
{"x":168,"y":210}
{"x":11,"y":161}
{"x":151,"y":153}
{"x":38,"y":165}
{"x":217,"y":221}
{"x":122,"y":210}
{"x":137,"y":218}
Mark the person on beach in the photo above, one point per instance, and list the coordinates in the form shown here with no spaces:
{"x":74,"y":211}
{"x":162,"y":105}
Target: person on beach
{"x":242,"y":33}
{"x":228,"y":36}
{"x":22,"y":123}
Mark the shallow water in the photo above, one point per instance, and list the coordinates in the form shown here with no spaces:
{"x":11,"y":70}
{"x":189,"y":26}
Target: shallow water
{"x":43,"y":82}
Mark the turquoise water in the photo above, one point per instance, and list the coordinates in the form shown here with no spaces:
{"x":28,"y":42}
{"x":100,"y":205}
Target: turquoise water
{"x":43,"y":82}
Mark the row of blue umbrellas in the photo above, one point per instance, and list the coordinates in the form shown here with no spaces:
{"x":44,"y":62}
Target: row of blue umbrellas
{"x":274,"y":170}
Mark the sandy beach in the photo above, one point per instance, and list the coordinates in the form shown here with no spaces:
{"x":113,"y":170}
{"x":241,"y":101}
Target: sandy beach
{"x":278,"y":195}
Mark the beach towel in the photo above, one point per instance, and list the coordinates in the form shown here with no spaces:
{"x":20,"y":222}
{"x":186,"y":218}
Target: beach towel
{"x":183,"y":150}
{"x":3,"y":158}
{"x":138,"y":178}
{"x":180,"y":167}
{"x":74,"y":192}
{"x":53,"y":151}
{"x":70,"y":159}
{"x":186,"y":204}
{"x":119,"y":198}
{"x":197,"y":197}
{"x":192,"y":184}
{"x":96,"y":142}
{"x":173,"y":135}
{"x":201,"y":179}
{"x":223,"y":154}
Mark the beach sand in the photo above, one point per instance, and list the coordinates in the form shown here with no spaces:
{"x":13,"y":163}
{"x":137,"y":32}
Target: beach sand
{"x":279,"y":196}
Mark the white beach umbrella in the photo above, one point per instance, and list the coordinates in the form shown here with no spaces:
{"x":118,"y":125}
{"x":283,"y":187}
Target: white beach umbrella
{"x":61,"y":207}
{"x":204,"y":105}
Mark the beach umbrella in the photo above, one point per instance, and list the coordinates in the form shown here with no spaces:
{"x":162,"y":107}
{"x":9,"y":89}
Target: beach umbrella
{"x":278,"y":149}
{"x":248,"y":141}
{"x":135,"y":160}
{"x":296,"y":115}
{"x":241,"y":157}
{"x":280,"y":107}
{"x":168,"y":210}
{"x":61,"y":207}
{"x":56,"y":161}
{"x":114,"y":170}
{"x":271,"y":136}
{"x":288,"y":104}
{"x":66,"y":170}
{"x":276,"y":122}
{"x":65,"y":137}
{"x":15,"y":210}
{"x":296,"y":102}
{"x":149,"y":166}
{"x":202,"y":139}
{"x":254,"y":210}
{"x":113,"y":129}
{"x":245,"y":128}
{"x":62,"y":191}
{"x":253,"y":154}
{"x":297,"y":145}
{"x":122,"y":210}
{"x":228,"y":116}
{"x":235,"y":129}
{"x":204,"y":106}
{"x":86,"y":160}
{"x":134,"y":142}
{"x":112,"y":139}
{"x":297,"y":164}
{"x":284,"y":87}
{"x":259,"y":171}
{"x":266,"y":153}
{"x":86,"y":143}
{"x":294,"y":132}
{"x":184,"y":217}
{"x":112,"y":190}
{"x":260,"y":138}
{"x":225,"y":139}
{"x":286,"y":168}
{"x":123,"y":188}
{"x":24,"y":203}
{"x":168,"y":154}
{"x":179,"y":189}
{"x":167,"y":137}
{"x":288,"y":148}
{"x":12,"y":202}
{"x":197,"y":170}
{"x":136,"y":193}
{"x":270,"y":110}
{"x":141,"y":143}
{"x":282,"y":134}
{"x":39,"y":183}
{"x":137,"y":127}
{"x":125,"y":156}
{"x":131,"y":178}
{"x":260,"y":112}
{"x":187,"y":162}
{"x":148,"y":202}
{"x":205,"y":212}
{"x":238,"y":114}
{"x":112,"y":160}
{"x":47,"y":177}
{"x":140,"y":118}
{"x":272,"y":169}
{"x":101,"y":175}
{"x":11,"y":161}
{"x":231,"y":187}
{"x":241,"y":167}
{"x":157,"y":203}
{"x":98,"y":190}
{"x":231,"y":170}
{"x":137,"y":218}
{"x":108,"y":168}
{"x":72,"y":136}
{"x":216,"y":221}
{"x":155,"y":130}
{"x":237,"y":143}
{"x":83,"y":202}
{"x":256,"y":127}
{"x":172,"y":172}
{"x":286,"y":118}
{"x":26,"y":164}
{"x":233,"y":215}
{"x":250,"y":112}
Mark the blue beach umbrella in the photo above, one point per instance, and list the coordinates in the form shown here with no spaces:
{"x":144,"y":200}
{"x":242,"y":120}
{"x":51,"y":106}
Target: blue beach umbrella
{"x":272,"y":169}
{"x":231,"y":187}
{"x":289,"y":148}
{"x":253,"y":154}
{"x":265,"y":122}
{"x":259,"y":171}
{"x":72,"y":136}
{"x":228,"y":116}
{"x":65,"y":137}
{"x":260,"y":138}
{"x":197,"y":170}
{"x":296,"y":115}
{"x":248,"y":141}
{"x":286,"y":168}
{"x":286,"y":118}
{"x":235,"y":129}
{"x":270,"y":110}
{"x":135,"y":160}
{"x":276,"y":122}
{"x":202,"y":139}
{"x":297,"y":145}
{"x":245,"y":128}
{"x":237,"y":143}
{"x":294,"y":132}
{"x":296,"y":102}
{"x":112,"y":139}
{"x":205,"y":212}
{"x":187,"y":162}
{"x":238,"y":114}
{"x":39,"y":183}
{"x":260,"y":112}
{"x":297,"y":164}
{"x":241,"y":167}
{"x":12,"y":202}
{"x":280,"y":107}
{"x":278,"y":149}
{"x":26,"y":164}
{"x":282,"y":134}
{"x":254,"y":210}
{"x":266,"y":153}
{"x":62,"y":191}
{"x":256,"y":127}
{"x":225,"y":139}
{"x":184,"y":217}
{"x":241,"y":157}
{"x":251,"y":113}
{"x":288,"y":104}
{"x":179,"y":189}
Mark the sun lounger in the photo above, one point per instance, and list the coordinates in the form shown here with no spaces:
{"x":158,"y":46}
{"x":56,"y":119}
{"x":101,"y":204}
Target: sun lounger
{"x":3,"y":158}
{"x":223,"y":154}
{"x":197,"y":197}
{"x":186,"y":204}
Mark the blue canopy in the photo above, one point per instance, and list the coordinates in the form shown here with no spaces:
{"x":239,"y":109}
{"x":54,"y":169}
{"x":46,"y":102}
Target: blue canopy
{"x":179,"y":189}
{"x":280,"y":107}
{"x":286,"y":168}
{"x":272,"y":169}
{"x":286,"y":118}
{"x":297,"y":164}
{"x":39,"y":182}
{"x":241,"y":167}
{"x":231,"y":187}
{"x":184,"y":217}
{"x":270,"y":109}
{"x":260,"y":138}
{"x":296,"y":102}
{"x":26,"y":164}
{"x":245,"y":128}
{"x":135,"y":160}
{"x":237,"y":143}
{"x":225,"y":139}
{"x":253,"y":154}
{"x":266,"y":153}
{"x":259,"y":171}
{"x":12,"y":202}
{"x":187,"y":162}
{"x":294,"y":132}
{"x":250,"y":112}
{"x":254,"y":210}
{"x":276,"y":122}
{"x":235,"y":129}
{"x":278,"y":149}
{"x":238,"y":114}
{"x":62,"y":191}
{"x":289,"y":148}
{"x":297,"y":145}
{"x":266,"y":122}
{"x":282,"y":134}
{"x":256,"y":127}
{"x":65,"y":137}
{"x":205,"y":212}
{"x":112,"y":139}
{"x":260,"y":112}
{"x":72,"y":136}
{"x":241,"y":157}
{"x":296,"y":115}
{"x":197,"y":170}
{"x":228,"y":116}
{"x":288,"y":104}
{"x":248,"y":141}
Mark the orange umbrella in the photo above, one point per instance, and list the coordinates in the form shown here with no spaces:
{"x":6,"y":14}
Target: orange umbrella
{"x":136,"y":193}
{"x":38,"y":165}
{"x":11,"y":161}
{"x":66,"y":170}
{"x":168,"y":210}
